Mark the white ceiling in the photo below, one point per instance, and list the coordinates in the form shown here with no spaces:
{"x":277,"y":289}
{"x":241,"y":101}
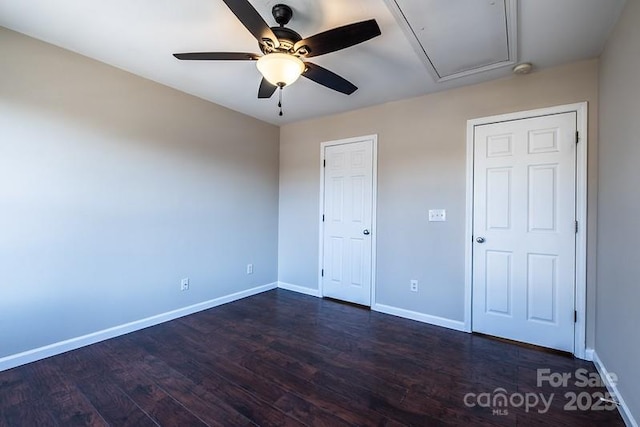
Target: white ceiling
{"x":140,"y":35}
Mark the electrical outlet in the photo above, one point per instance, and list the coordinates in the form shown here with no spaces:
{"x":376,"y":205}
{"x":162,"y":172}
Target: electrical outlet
{"x":184,"y":284}
{"x":249,"y":268}
{"x":414,"y":285}
{"x":437,"y":215}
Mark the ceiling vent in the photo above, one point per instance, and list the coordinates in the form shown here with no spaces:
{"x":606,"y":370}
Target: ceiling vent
{"x":462,"y":37}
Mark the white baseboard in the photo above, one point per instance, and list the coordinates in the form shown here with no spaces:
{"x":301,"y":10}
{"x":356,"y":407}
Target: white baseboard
{"x":588,"y":354}
{"x":33,"y":355}
{"x":300,"y":289}
{"x":420,"y":317}
{"x":387,"y":309}
{"x":625,"y":413}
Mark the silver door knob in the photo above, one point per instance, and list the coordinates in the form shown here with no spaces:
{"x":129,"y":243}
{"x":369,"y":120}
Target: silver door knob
{"x":366,"y":232}
{"x":480,"y":240}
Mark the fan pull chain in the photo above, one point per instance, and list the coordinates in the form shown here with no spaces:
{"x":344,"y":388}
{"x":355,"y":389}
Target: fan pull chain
{"x":280,"y":102}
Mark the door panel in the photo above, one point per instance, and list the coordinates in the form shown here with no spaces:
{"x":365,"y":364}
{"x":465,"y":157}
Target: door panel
{"x":543,"y":198}
{"x":498,"y":199}
{"x":348,"y":206}
{"x":542,"y":280}
{"x":524,"y":213}
{"x":498,"y":293}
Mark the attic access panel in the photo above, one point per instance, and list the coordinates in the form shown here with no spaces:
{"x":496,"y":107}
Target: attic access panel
{"x":457,"y":38}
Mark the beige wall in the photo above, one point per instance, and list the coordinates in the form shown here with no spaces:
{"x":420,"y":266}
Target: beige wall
{"x":421,"y":166}
{"x":618,"y":315}
{"x":113,"y":188}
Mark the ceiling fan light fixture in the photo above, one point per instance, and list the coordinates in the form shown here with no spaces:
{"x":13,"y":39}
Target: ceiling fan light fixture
{"x":280,"y":69}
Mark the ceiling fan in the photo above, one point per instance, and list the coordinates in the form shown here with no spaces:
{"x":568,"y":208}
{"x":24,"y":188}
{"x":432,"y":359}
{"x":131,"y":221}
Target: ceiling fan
{"x":285,"y":51}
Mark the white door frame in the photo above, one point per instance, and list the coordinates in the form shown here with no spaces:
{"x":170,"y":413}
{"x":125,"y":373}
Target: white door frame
{"x":374,"y":198}
{"x":581,"y":110}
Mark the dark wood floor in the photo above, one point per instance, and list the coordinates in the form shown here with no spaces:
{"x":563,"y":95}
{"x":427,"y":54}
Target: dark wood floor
{"x":280,"y":358}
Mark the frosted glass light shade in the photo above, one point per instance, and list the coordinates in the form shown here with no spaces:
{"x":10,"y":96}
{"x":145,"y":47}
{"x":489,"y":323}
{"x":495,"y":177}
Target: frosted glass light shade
{"x":280,"y":69}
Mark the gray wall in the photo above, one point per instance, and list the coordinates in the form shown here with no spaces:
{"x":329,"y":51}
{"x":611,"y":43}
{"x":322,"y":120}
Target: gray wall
{"x":113,"y":188}
{"x":421,"y":166}
{"x":618,"y":295}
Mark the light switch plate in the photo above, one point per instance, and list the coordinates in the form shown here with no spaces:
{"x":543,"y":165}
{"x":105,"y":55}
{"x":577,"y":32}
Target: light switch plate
{"x":437,"y":215}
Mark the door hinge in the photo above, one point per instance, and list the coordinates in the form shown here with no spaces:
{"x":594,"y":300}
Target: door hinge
{"x":576,"y":227}
{"x":323,"y":218}
{"x":322,"y":272}
{"x":575,"y":316}
{"x":577,"y":137}
{"x":324,"y":163}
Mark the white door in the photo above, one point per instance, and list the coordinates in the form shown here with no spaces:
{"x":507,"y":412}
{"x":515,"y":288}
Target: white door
{"x":347,"y":224}
{"x":524,"y":230}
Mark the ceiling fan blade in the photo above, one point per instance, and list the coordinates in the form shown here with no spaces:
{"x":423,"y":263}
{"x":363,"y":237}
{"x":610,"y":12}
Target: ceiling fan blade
{"x":328,"y":78}
{"x":339,"y":38}
{"x":251,"y":19}
{"x":266,"y":89}
{"x":217,"y":56}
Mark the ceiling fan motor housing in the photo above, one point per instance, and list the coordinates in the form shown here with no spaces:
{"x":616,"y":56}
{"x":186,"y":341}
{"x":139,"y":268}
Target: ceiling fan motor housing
{"x":286,"y":36}
{"x":282,"y":14}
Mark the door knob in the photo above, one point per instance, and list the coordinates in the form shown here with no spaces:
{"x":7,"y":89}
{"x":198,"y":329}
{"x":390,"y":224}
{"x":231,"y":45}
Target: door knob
{"x":480,"y":240}
{"x":366,"y":232}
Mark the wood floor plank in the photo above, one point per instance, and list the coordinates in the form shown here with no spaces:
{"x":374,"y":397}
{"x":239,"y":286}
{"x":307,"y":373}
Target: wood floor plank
{"x":186,"y":391}
{"x":16,"y":388}
{"x":310,"y":356}
{"x":97,"y":384}
{"x":31,"y":402}
{"x":281,"y":358}
{"x":319,"y":402}
{"x":296,"y":375}
{"x":199,"y":401}
{"x":29,"y":414}
{"x":202,"y":403}
{"x":302,"y":376}
{"x":247,"y":404}
{"x":300,"y":408}
{"x":62,"y":397}
{"x":366,"y":349}
{"x":151,"y":398}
